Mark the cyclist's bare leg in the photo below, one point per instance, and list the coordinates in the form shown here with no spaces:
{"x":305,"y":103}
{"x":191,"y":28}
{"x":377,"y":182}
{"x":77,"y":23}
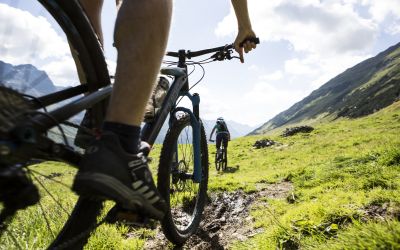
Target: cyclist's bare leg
{"x":141,"y":34}
{"x":93,"y":11}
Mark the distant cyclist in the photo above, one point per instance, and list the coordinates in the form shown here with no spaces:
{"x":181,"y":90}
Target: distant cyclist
{"x":222,"y":134}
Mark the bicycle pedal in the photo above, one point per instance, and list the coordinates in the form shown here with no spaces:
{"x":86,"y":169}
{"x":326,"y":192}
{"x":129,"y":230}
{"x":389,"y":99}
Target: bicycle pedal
{"x":130,"y":218}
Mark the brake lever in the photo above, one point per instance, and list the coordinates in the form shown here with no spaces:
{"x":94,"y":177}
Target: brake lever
{"x":218,"y":56}
{"x":222,"y":55}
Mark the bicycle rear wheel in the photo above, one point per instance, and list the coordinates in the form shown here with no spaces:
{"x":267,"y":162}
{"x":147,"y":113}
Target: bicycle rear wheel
{"x":37,"y":226}
{"x":224,"y":159}
{"x":185,"y":198}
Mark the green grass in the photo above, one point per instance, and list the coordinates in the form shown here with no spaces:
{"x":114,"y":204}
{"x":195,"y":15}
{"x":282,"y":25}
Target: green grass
{"x":338,"y":171}
{"x":370,"y":235}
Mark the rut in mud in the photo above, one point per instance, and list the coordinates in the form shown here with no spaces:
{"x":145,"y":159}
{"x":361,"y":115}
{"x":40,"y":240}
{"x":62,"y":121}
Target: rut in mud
{"x":226,"y":218}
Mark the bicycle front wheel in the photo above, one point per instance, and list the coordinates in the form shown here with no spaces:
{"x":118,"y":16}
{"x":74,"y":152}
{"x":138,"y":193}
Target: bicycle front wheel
{"x":185,"y":198}
{"x":217,"y":161}
{"x":39,"y":72}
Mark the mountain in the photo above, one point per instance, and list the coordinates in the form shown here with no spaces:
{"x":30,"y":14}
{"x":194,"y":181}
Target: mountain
{"x":26,"y":78}
{"x":236,"y":129}
{"x":361,"y":90}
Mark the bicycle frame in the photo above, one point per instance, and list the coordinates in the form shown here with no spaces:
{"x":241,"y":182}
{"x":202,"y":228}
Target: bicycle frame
{"x":178,"y":88}
{"x":40,"y":123}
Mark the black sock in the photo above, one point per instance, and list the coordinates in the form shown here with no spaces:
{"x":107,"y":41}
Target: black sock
{"x":129,"y":136}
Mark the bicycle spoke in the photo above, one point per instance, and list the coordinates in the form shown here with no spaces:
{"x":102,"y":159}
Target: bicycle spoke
{"x":46,"y":219}
{"x":52,"y":197}
{"x":47,"y":177}
{"x":185,"y":197}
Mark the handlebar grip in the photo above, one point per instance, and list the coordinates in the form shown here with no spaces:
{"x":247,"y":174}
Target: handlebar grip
{"x":174,"y":54}
{"x":255,"y":40}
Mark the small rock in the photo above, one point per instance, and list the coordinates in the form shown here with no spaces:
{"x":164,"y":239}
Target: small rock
{"x":294,"y":130}
{"x":249,"y":218}
{"x":264,"y":143}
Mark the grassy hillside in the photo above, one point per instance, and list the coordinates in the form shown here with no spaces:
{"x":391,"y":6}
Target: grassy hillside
{"x":346,"y":178}
{"x":361,"y":90}
{"x":346,"y":191}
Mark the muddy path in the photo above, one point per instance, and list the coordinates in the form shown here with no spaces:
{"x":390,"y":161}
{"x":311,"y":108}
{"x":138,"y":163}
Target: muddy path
{"x":226,"y":218}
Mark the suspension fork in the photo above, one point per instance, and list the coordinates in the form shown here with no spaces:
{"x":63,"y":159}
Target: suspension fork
{"x":196,"y":140}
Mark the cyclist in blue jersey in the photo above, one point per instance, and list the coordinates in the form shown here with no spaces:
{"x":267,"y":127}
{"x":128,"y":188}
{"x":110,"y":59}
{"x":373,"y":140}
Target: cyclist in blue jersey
{"x":114,"y":166}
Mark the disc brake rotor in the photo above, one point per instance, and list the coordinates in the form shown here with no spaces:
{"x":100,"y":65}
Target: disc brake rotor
{"x":180,"y":183}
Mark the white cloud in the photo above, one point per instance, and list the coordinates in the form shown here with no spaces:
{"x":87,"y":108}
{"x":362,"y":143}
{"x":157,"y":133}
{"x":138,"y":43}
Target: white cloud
{"x":326,"y":27}
{"x":275,"y":76}
{"x":261,"y":102}
{"x":383,"y":8}
{"x":212,"y":105}
{"x":254,"y":67}
{"x":266,"y":100}
{"x":326,"y":37}
{"x":62,"y":71}
{"x":327,"y":68}
{"x":393,"y":29}
{"x":321,"y":69}
{"x":25,"y":38}
{"x":298,"y":66}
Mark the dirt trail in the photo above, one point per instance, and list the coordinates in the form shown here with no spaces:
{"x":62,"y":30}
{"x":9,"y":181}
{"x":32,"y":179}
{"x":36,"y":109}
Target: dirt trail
{"x":226,"y":218}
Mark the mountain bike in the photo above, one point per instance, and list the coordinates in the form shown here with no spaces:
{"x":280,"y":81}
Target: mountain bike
{"x":27,"y":123}
{"x":221,"y":157}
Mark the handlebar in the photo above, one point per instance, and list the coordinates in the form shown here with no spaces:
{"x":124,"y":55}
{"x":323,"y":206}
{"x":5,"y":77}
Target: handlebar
{"x":189,"y":54}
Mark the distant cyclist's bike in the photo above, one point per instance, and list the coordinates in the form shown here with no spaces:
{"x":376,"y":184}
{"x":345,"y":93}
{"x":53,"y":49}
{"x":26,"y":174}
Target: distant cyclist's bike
{"x":221,"y":158}
{"x":28,"y":124}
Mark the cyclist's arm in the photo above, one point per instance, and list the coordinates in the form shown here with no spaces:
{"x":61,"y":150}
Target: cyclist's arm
{"x":244,"y":28}
{"x":212,"y":132}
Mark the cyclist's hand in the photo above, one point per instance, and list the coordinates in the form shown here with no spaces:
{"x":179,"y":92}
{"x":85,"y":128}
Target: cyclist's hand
{"x":247,"y":46}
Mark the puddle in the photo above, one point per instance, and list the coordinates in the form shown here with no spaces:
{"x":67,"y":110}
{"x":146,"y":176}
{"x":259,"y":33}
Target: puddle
{"x":226,"y":219}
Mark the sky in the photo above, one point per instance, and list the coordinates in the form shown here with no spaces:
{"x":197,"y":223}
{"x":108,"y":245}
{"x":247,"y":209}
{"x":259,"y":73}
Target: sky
{"x":304,"y":43}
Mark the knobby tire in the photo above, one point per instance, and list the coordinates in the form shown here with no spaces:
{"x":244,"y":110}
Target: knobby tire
{"x":169,"y":224}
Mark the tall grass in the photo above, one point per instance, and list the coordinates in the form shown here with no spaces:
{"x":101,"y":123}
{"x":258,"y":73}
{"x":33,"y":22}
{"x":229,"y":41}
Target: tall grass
{"x":341,"y":172}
